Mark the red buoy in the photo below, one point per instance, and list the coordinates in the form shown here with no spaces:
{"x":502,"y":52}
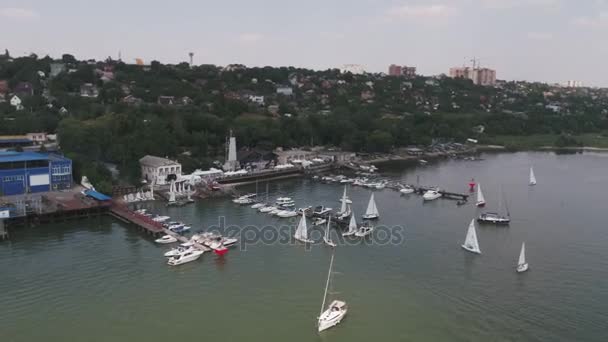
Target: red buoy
{"x":472,"y":185}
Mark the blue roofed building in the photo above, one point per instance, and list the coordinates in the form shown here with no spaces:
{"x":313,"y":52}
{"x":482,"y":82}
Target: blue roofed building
{"x":31,"y":172}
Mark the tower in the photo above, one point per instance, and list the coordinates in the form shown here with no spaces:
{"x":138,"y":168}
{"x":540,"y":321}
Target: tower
{"x":191,"y":54}
{"x":231,"y":159}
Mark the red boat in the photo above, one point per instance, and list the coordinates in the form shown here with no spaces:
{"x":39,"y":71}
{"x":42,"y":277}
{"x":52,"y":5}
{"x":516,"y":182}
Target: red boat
{"x":221,"y":251}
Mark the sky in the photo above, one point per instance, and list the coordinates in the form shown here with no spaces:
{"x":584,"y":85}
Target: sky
{"x":535,"y":40}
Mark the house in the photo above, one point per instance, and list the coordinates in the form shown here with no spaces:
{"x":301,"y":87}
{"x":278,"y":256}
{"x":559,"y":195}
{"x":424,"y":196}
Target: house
{"x":37,"y":138}
{"x":56,"y":69}
{"x":166,"y":100}
{"x":256,"y":159}
{"x":24,"y":89}
{"x":88,"y":90}
{"x":63,"y":110}
{"x":284,"y":90}
{"x":16,"y":102}
{"x":131,"y":100}
{"x":259,"y":100}
{"x":184,"y":101}
{"x":157,"y":169}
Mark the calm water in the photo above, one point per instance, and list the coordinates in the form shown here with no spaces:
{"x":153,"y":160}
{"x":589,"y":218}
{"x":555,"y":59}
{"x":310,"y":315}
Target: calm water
{"x":99,"y":280}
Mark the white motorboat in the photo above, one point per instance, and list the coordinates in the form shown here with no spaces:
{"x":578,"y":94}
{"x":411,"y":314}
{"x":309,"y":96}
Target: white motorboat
{"x":431,"y":195}
{"x":326,"y":238}
{"x":406,"y":190}
{"x":364,"y":230}
{"x":185,"y":257}
{"x":267,"y":209}
{"x":244,"y":199}
{"x":229,"y":242}
{"x":160,"y":218}
{"x":380,"y":185}
{"x":177,"y":251}
{"x":470,"y":243}
{"x":481,"y":201}
{"x":347,"y":181}
{"x":287,"y":213}
{"x":317,"y":221}
{"x":336,"y":311}
{"x":258,"y":205}
{"x":275,"y":211}
{"x":352,"y":227}
{"x":372,"y":210}
{"x":532,"y":177}
{"x":166,"y":239}
{"x":304,"y":210}
{"x":141,"y":211}
{"x":284,"y":202}
{"x":522,"y":265}
{"x":321,"y":211}
{"x":302,"y":231}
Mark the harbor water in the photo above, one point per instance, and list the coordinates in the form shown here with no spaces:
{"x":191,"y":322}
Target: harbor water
{"x":101,"y":280}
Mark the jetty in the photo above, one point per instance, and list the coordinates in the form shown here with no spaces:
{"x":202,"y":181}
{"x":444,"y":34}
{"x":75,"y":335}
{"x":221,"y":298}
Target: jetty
{"x":145,"y":224}
{"x":444,"y":194}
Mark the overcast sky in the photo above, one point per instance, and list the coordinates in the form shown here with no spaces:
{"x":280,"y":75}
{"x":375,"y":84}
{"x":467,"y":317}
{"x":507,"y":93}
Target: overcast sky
{"x":539,"y":40}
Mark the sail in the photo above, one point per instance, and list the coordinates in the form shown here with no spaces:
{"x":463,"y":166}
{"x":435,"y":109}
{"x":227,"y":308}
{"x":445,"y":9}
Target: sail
{"x":331,"y":263}
{"x":522,"y":254}
{"x":371,"y":207}
{"x":480,"y":198}
{"x":471,"y":239}
{"x":343,"y":208}
{"x":352,"y":226}
{"x":532,"y":177}
{"x":302,"y":230}
{"x":327,"y":229}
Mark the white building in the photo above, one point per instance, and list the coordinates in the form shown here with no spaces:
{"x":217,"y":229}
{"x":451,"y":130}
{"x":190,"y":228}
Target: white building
{"x":16,"y":102}
{"x":285,"y":90}
{"x":574,"y":84}
{"x":257,"y":99}
{"x":157,"y":169}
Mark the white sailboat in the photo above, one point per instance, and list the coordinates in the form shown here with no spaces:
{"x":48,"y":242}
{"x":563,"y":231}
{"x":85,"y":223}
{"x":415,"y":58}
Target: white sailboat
{"x":364,"y":230}
{"x":302,"y":231}
{"x":336,"y":311}
{"x":522,"y":265}
{"x":481,"y":201}
{"x":532,"y":177}
{"x":372,"y":210}
{"x":470,"y":243}
{"x":326,"y":238}
{"x":344,"y":208}
{"x":352,"y":227}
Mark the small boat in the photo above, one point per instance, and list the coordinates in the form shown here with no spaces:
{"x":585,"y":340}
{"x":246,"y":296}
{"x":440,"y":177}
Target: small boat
{"x":267,"y":209}
{"x":245,"y":199}
{"x":326,"y":238}
{"x":406,"y":190}
{"x":287,"y":213}
{"x":285,"y":202}
{"x":160,"y":218}
{"x":317,"y":221}
{"x":364,"y":230}
{"x":431,"y":195}
{"x":481,"y":201}
{"x":493,"y":218}
{"x":229,"y":242}
{"x":141,"y":211}
{"x":220,"y":251}
{"x":166,"y":239}
{"x":372,"y":210}
{"x":347,"y":181}
{"x":275,"y":211}
{"x":423,"y":162}
{"x":461,"y":202}
{"x":470,"y":243}
{"x":177,"y":251}
{"x":352,"y":227}
{"x":522,"y":265}
{"x":258,"y":205}
{"x":532,"y":177}
{"x":304,"y":210}
{"x":301,"y":233}
{"x":185,"y":257}
{"x":321,"y":211}
{"x":380,"y":186}
{"x":336,"y":311}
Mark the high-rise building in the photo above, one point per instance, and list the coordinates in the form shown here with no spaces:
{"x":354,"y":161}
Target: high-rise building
{"x":479,"y":76}
{"x":574,"y":84}
{"x":398,"y":70}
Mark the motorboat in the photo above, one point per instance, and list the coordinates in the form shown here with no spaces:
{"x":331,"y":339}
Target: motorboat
{"x":258,"y":205}
{"x":285,"y":202}
{"x":406,"y":190}
{"x":275,"y":211}
{"x":304,"y":210}
{"x":380,"y":186}
{"x":321,"y":211}
{"x":431,"y":195}
{"x":364,"y":230}
{"x":229,"y":242}
{"x":141,"y":211}
{"x":245,"y":199}
{"x":347,"y":181}
{"x":267,"y":209}
{"x":177,"y":251}
{"x":160,"y":218}
{"x":287,"y":213}
{"x":461,"y":202}
{"x":493,"y":218}
{"x":336,"y":310}
{"x":185,"y":257}
{"x":317,"y":221}
{"x":166,"y":239}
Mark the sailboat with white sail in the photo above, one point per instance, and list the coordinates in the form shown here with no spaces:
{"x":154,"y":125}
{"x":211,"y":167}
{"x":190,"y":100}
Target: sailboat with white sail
{"x":336,"y":311}
{"x":522,"y":265}
{"x":302,"y":231}
{"x":496,"y":217}
{"x":470,"y":243}
{"x":326,"y":238}
{"x":345,"y":208}
{"x":481,"y":201}
{"x":352,"y":227}
{"x":372,"y":210}
{"x":532,"y":177}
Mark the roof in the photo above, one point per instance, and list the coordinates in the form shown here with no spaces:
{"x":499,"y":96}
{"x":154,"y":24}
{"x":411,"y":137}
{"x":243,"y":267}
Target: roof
{"x":14,"y":139}
{"x":6,"y":157}
{"x":97,"y":195}
{"x":157,"y":161}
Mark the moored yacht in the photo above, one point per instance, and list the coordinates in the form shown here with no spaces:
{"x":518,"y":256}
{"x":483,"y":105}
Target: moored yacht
{"x":406,"y":190}
{"x":494,"y":218}
{"x":177,"y":251}
{"x":321,"y":211}
{"x":185,"y":257}
{"x":166,"y":239}
{"x":431,"y":195}
{"x":285,"y":202}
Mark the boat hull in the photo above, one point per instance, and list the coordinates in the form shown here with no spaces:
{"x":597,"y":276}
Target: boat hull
{"x":481,"y":204}
{"x":330,"y":318}
{"x":304,"y":240}
{"x":522,"y":268}
{"x":329,"y":242}
{"x":371,"y":217}
{"x":469,"y":249}
{"x":363,"y":233}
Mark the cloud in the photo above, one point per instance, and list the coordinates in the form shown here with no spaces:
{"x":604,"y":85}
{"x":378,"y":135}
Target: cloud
{"x":540,"y":35}
{"x":600,"y":21}
{"x":506,"y":4}
{"x":421,"y":12}
{"x":18,"y":13}
{"x":250,"y":37}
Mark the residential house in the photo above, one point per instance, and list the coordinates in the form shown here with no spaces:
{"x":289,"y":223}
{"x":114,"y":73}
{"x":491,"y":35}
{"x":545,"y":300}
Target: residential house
{"x":284,"y":90}
{"x":257,"y":99}
{"x":166,"y":100}
{"x":56,"y":69}
{"x":16,"y":102}
{"x":88,"y":90}
{"x":24,"y":89}
{"x":131,"y":100}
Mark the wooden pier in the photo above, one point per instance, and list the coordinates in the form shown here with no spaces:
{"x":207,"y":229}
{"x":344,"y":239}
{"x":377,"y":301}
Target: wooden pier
{"x":444,"y":194}
{"x":146,"y":224}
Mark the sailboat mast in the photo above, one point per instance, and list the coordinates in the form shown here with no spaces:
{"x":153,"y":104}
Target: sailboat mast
{"x":331,"y":263}
{"x":266,"y":192}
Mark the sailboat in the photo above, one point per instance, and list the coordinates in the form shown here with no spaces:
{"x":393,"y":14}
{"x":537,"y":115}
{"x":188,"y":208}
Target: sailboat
{"x":302,"y":231}
{"x":470,"y":243}
{"x":344,"y":209}
{"x":532,"y":177}
{"x":496,"y":217}
{"x":336,"y":311}
{"x":481,"y":201}
{"x":352,"y":227}
{"x":372,"y":210}
{"x":522,"y":265}
{"x":326,"y":238}
{"x":260,"y":204}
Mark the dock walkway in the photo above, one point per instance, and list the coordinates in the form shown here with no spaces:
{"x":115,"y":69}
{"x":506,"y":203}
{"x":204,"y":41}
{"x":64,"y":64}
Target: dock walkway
{"x":123,"y":213}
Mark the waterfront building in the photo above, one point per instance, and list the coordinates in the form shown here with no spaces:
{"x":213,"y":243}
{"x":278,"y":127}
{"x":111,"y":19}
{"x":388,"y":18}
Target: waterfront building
{"x":157,"y":169}
{"x":31,"y":172}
